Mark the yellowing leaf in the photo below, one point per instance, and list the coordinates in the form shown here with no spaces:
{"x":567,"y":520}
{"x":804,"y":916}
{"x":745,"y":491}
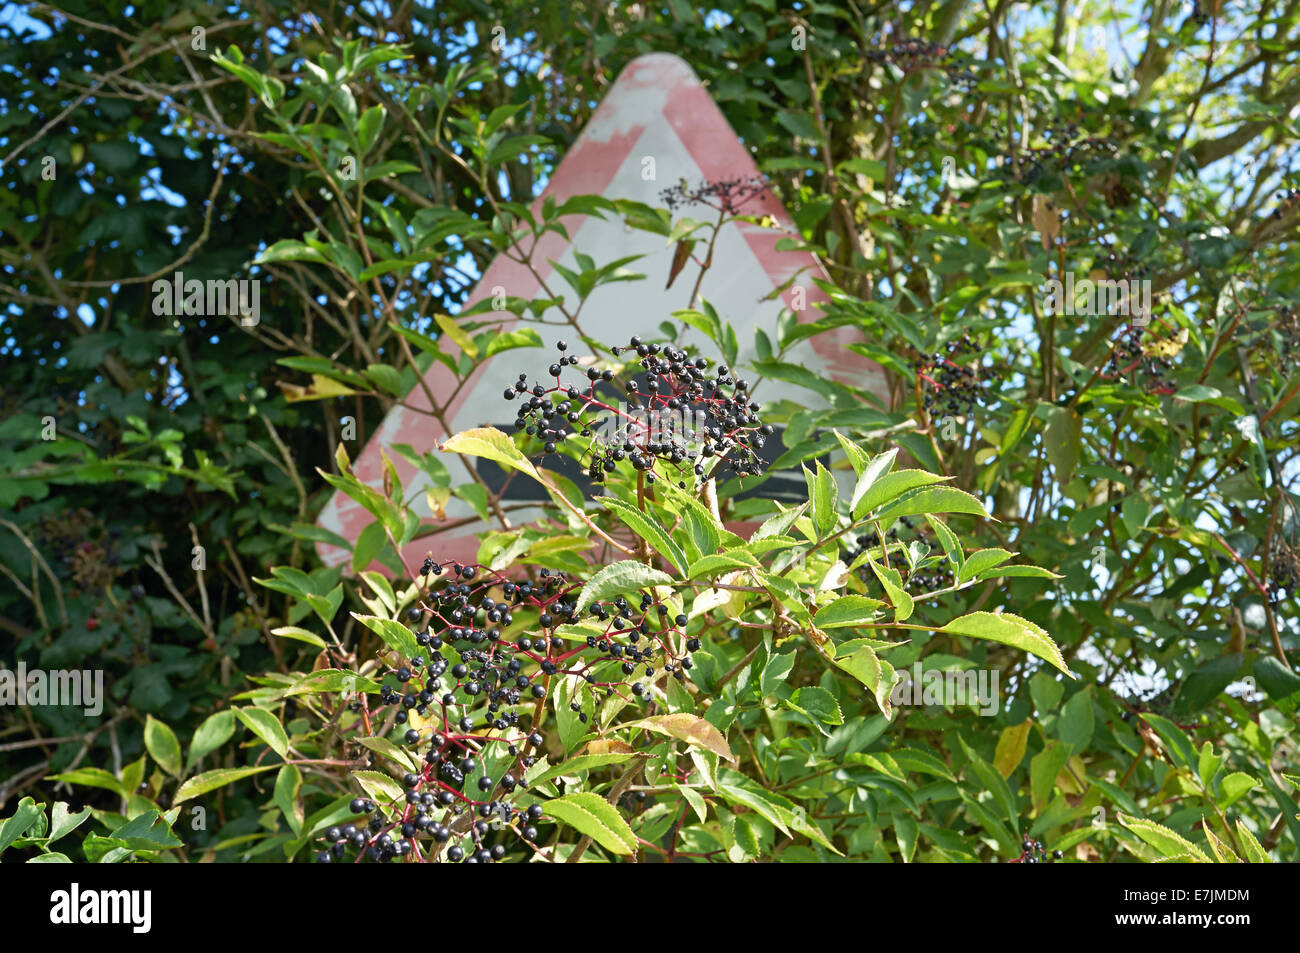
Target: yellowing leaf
{"x":689,"y":728}
{"x":1011,"y":748}
{"x":491,"y":444}
{"x":321,"y":388}
{"x":454,"y":331}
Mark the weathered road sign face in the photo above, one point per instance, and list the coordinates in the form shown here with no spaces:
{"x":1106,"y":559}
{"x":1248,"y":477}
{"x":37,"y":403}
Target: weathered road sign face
{"x":656,"y":127}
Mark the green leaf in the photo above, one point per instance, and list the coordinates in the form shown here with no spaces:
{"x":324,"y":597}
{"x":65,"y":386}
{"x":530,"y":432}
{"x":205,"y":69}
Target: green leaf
{"x":379,"y":786}
{"x":1043,"y":770}
{"x":575,"y":766}
{"x":211,"y":735}
{"x":299,"y":634}
{"x":847,"y":612}
{"x":369,"y":126}
{"x":1062,"y":441}
{"x":288,"y":796}
{"x":1233,"y":787}
{"x":818,"y":703}
{"x":63,"y":821}
{"x":389,"y":750}
{"x":592,"y":815}
{"x":620,"y":578}
{"x":893,"y":585}
{"x":995,"y":783}
{"x":823,"y":494}
{"x":1009,"y":630}
{"x":211,"y":780}
{"x":1251,"y":847}
{"x":92,"y":778}
{"x":648,"y":528}
{"x":890,"y":487}
{"x":711,"y":565}
{"x":1162,"y":838}
{"x":1076,"y":723}
{"x":15,"y":827}
{"x":878,"y":676}
{"x":395,"y":635}
{"x":162,"y":746}
{"x":777,"y":525}
{"x":524,"y":337}
{"x":867,"y":478}
{"x":935,"y":499}
{"x":980,"y":561}
{"x":1279,"y":682}
{"x":332,"y":680}
{"x":1175,"y":740}
{"x":265,"y":725}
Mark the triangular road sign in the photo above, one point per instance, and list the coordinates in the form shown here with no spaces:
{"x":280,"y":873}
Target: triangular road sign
{"x":656,"y":116}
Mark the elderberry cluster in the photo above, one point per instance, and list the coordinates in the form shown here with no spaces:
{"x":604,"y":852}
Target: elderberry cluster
{"x":1063,"y":152}
{"x":1124,"y":263}
{"x":1131,"y":362}
{"x":1033,"y":852}
{"x":911,"y":54}
{"x":1286,"y":201}
{"x":727,"y":196}
{"x":922,"y":579}
{"x":471,"y":701}
{"x":946,"y":385}
{"x":1287,"y":324}
{"x":675,"y":414}
{"x":1284,"y":572}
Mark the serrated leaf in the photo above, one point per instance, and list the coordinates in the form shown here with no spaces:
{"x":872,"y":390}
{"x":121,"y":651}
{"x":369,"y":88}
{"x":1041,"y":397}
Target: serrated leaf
{"x":214,"y":732}
{"x":870,"y":474}
{"x":890,"y":487}
{"x":1233,"y":787}
{"x":819,"y":703}
{"x":592,"y":815}
{"x":491,"y":444}
{"x":267,"y":727}
{"x":1251,"y":847}
{"x":574,"y":766}
{"x":379,"y":786}
{"x":822,"y":494}
{"x":713,"y":564}
{"x":1168,"y":843}
{"x":161,"y":743}
{"x":892,"y":583}
{"x":689,"y":728}
{"x":395,"y":635}
{"x":935,"y":499}
{"x":301,"y":635}
{"x":93,"y":778}
{"x":847,"y":611}
{"x":211,"y":780}
{"x":618,"y":579}
{"x":982,"y":560}
{"x":648,"y":528}
{"x":1009,"y":630}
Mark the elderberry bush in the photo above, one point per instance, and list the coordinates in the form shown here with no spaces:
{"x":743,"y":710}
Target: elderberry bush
{"x":472,"y":702}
